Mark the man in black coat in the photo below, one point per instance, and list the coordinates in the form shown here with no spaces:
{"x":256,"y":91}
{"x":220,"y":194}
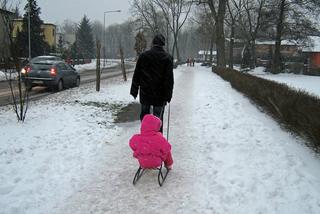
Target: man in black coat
{"x":153,"y":75}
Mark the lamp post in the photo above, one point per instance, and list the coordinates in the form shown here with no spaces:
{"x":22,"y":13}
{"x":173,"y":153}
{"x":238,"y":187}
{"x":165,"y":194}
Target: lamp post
{"x":29,"y":29}
{"x":104,"y":34}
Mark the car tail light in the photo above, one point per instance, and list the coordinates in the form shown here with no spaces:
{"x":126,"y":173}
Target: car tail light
{"x":53,"y":71}
{"x":26,"y":70}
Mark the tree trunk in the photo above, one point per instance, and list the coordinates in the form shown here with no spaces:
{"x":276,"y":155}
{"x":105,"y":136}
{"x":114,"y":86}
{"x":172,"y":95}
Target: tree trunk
{"x":253,"y":54}
{"x":98,"y":72}
{"x":276,"y":61}
{"x":221,"y":58}
{"x":211,"y":49}
{"x":123,"y":68}
{"x":173,"y":46}
{"x":168,"y":40}
{"x":231,"y":45}
{"x":177,"y":49}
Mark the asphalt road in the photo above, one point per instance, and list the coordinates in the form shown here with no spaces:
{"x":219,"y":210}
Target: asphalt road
{"x":39,"y":92}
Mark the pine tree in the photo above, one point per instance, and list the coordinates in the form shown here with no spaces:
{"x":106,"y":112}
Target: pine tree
{"x":38,"y":44}
{"x":84,"y":39}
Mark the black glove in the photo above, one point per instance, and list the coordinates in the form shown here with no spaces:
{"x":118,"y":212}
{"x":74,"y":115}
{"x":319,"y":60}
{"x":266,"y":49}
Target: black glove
{"x":134,"y":95}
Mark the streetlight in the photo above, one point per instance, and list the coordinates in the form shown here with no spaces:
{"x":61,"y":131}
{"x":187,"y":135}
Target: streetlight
{"x":104,"y":36}
{"x":29,"y":29}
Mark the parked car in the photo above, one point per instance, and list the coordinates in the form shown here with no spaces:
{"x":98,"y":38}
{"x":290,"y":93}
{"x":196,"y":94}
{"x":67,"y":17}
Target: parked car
{"x":54,"y":74}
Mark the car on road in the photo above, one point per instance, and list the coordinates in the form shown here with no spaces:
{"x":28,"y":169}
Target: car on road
{"x":52,"y":73}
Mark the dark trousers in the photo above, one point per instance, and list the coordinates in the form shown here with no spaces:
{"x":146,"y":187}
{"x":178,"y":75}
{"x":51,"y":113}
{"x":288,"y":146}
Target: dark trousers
{"x":157,"y":111}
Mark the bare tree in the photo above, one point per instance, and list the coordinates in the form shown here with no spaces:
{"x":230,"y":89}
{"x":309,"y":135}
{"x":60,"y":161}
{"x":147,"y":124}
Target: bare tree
{"x":176,"y":13}
{"x":293,"y":23}
{"x":147,"y":11}
{"x":218,"y":11}
{"x":97,"y":30}
{"x":206,"y":28}
{"x":250,"y":12}
{"x":123,"y":33}
{"x":19,"y":94}
{"x":232,"y":18}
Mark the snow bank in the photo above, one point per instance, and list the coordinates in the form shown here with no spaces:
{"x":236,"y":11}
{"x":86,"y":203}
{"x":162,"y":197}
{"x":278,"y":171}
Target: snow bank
{"x":3,"y":76}
{"x":92,"y":66}
{"x":258,"y":71}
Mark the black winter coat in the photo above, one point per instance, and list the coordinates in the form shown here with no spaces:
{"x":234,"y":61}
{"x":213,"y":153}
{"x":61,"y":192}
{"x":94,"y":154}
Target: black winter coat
{"x":154,"y":76}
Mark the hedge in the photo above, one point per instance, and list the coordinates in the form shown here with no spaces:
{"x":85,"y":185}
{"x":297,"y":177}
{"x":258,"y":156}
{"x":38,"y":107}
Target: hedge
{"x":296,"y":110}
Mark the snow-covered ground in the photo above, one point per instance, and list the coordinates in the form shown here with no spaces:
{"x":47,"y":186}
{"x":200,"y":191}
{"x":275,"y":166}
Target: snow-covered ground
{"x":68,"y":157}
{"x":91,"y":66}
{"x":310,"y":84}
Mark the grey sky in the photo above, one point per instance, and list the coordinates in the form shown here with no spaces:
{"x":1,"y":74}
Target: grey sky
{"x":56,"y":11}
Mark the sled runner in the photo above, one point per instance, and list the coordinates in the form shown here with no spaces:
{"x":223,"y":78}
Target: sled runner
{"x":161,"y":175}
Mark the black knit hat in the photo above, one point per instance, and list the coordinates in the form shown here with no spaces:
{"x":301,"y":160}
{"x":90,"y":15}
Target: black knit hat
{"x":159,"y":40}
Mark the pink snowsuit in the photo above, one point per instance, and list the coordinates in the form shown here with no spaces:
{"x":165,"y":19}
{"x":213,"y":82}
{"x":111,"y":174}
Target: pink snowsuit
{"x":150,"y":147}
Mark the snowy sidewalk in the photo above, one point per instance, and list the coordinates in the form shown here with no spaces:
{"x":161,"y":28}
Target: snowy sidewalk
{"x":229,"y":158}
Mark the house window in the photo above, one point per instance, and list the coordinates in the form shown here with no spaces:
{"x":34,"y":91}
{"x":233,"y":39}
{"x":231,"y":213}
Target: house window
{"x":53,"y":33}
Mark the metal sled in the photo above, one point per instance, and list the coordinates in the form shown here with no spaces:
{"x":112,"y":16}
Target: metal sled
{"x":161,"y":175}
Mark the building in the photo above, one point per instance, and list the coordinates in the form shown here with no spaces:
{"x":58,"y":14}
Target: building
{"x":312,"y":53}
{"x":49,"y":31}
{"x":4,"y":35}
{"x":288,"y":49}
{"x":204,"y":55}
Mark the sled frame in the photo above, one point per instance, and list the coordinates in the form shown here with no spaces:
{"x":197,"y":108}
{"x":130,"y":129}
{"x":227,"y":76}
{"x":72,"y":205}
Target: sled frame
{"x":161,"y":175}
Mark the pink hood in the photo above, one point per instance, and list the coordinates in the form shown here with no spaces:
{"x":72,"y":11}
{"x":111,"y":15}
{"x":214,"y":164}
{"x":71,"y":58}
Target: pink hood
{"x":150,"y":124}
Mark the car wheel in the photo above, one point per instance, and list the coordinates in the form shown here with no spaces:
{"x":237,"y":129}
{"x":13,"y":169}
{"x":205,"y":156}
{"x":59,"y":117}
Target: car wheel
{"x":60,"y":85}
{"x":78,"y":82}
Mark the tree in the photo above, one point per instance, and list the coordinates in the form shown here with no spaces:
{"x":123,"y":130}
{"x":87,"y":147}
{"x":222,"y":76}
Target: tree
{"x":38,"y":44}
{"x":206,"y":30}
{"x":251,"y":12}
{"x":19,"y":94}
{"x":97,"y":31}
{"x":141,"y":43}
{"x":218,"y":11}
{"x":84,"y":39}
{"x":292,"y":23}
{"x":120,"y":35}
{"x":147,"y":12}
{"x":176,"y":13}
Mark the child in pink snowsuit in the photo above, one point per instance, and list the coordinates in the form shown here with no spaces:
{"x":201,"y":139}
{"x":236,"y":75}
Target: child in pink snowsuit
{"x":150,"y":147}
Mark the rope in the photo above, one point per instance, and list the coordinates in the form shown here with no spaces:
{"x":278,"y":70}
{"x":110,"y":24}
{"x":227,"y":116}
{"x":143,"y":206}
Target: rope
{"x":168,"y":125}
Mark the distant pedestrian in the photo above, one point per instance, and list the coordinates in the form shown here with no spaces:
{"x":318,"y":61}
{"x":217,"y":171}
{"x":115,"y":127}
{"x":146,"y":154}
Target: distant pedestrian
{"x":153,"y":79}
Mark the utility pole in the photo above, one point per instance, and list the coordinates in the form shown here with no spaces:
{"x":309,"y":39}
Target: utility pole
{"x":29,"y":29}
{"x":98,"y":71}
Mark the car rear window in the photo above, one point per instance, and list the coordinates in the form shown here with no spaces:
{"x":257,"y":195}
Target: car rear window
{"x":41,"y":66}
{"x":45,"y":58}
